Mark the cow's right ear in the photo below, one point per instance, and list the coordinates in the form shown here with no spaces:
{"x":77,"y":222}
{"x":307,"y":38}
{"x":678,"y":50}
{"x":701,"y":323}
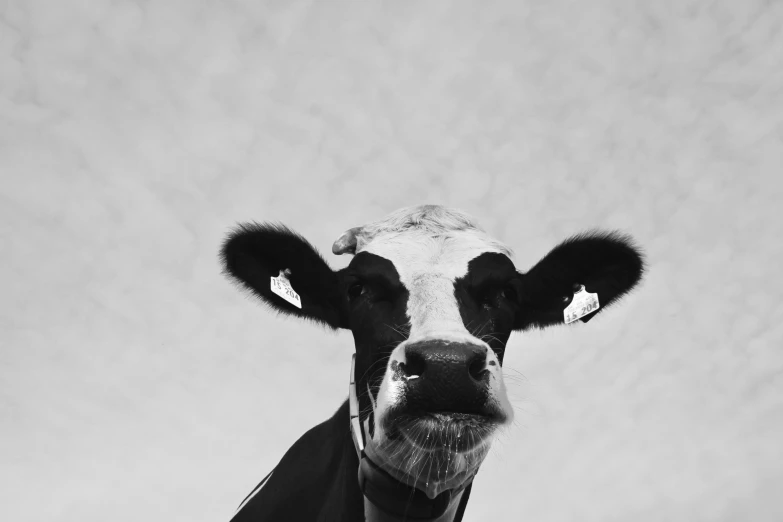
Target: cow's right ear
{"x":254,"y":253}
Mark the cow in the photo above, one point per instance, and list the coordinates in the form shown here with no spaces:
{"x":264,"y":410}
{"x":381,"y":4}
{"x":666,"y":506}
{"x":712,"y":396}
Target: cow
{"x":431,"y":300}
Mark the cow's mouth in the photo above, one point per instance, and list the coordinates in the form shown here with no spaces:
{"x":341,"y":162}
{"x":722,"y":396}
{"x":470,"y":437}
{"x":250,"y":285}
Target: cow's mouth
{"x":451,"y":432}
{"x":434,"y":451}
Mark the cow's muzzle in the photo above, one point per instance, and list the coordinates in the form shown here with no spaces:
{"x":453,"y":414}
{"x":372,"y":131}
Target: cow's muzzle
{"x":443,"y":377}
{"x":447,"y":398}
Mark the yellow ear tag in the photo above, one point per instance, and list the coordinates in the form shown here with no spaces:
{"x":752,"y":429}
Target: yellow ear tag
{"x":282,"y":287}
{"x":582,"y":304}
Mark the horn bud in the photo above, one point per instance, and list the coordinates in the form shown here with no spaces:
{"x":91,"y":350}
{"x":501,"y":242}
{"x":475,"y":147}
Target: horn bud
{"x":347,"y":243}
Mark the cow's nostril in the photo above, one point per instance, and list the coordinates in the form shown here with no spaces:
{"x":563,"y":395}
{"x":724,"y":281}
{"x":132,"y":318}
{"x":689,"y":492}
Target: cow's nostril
{"x":414,"y":364}
{"x":477,"y":369}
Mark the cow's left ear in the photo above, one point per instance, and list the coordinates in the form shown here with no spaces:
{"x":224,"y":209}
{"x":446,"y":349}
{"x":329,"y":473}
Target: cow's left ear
{"x":254,"y":253}
{"x":608,"y":264}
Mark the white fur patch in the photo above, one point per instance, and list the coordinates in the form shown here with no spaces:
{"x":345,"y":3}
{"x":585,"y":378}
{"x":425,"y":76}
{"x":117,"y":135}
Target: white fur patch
{"x":432,"y":220}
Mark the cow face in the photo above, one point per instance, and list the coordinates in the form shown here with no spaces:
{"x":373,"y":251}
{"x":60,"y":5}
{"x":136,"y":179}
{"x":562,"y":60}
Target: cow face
{"x":431,"y":301}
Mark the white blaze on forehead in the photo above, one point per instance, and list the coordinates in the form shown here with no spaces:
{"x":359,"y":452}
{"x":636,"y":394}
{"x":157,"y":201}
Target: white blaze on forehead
{"x":428,"y":267}
{"x":433,"y":219}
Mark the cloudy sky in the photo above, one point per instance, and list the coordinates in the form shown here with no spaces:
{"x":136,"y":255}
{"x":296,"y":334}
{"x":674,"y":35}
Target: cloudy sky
{"x":137,"y":384}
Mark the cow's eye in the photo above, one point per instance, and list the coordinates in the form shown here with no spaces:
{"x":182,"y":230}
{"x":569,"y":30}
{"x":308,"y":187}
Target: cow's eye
{"x":356,"y":290}
{"x":510,"y":293}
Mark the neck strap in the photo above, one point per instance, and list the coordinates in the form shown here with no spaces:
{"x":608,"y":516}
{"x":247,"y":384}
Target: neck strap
{"x":357,"y":433}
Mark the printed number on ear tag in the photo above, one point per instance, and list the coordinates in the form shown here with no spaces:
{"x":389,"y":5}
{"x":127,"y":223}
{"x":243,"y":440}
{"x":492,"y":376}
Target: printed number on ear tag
{"x":282,"y":287}
{"x":583,"y":303}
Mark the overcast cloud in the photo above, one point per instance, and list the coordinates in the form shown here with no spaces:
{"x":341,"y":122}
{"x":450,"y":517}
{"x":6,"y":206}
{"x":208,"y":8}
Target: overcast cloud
{"x":136,"y":383}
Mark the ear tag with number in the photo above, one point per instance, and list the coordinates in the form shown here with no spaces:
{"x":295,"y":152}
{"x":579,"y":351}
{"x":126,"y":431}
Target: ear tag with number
{"x":282,"y":287}
{"x":582,"y":304}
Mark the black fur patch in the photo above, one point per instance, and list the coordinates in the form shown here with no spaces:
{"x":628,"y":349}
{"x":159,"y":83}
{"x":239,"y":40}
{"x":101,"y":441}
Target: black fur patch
{"x":606,"y":263}
{"x":377,"y":318}
{"x":488,"y":296}
{"x":254,"y":252}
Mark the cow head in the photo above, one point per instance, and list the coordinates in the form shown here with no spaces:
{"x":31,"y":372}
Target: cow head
{"x":431,"y":300}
